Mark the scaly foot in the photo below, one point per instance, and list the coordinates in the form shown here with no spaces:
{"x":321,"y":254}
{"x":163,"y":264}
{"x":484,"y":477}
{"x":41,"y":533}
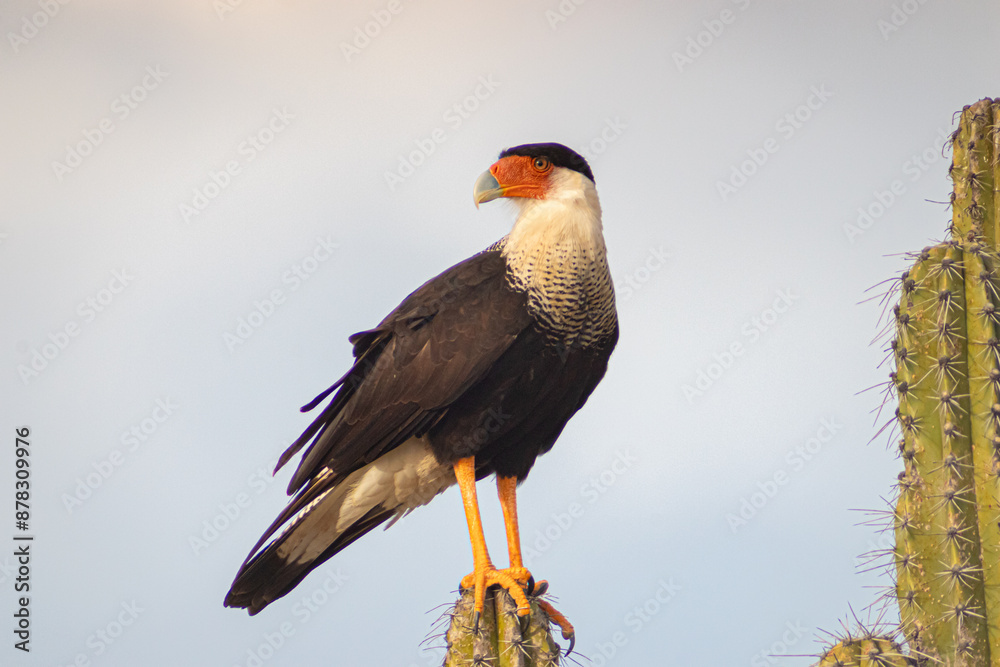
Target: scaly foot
{"x":516,"y":580}
{"x":519,"y":583}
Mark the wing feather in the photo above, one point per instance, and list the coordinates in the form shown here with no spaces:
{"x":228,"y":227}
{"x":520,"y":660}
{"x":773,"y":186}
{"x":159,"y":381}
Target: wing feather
{"x":441,"y":340}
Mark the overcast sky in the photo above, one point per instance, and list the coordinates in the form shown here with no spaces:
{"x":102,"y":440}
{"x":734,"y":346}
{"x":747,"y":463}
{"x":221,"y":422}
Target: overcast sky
{"x":201,"y":201}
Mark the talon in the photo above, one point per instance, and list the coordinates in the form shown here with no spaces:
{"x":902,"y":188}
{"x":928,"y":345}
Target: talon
{"x":529,"y":588}
{"x":524,"y":622}
{"x":541,"y":588}
{"x":475,"y":623}
{"x":564,"y":625}
{"x":483,"y":578}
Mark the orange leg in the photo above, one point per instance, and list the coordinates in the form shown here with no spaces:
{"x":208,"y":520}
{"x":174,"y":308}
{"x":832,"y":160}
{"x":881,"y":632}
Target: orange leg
{"x":483,"y":574}
{"x":507,"y":490}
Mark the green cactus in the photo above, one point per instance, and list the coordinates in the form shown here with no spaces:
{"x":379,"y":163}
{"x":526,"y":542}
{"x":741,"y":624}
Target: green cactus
{"x":504,"y":639}
{"x":866,"y":650}
{"x":947,"y":380}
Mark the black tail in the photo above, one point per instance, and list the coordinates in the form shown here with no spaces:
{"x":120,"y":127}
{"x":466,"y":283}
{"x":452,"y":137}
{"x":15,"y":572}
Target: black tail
{"x":309,"y":538}
{"x":268,"y":576}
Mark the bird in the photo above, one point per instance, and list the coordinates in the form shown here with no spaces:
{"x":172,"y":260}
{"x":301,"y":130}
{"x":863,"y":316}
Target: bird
{"x":475,"y":373}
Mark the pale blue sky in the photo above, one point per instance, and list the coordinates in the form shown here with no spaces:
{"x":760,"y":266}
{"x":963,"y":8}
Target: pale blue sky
{"x":202,"y":200}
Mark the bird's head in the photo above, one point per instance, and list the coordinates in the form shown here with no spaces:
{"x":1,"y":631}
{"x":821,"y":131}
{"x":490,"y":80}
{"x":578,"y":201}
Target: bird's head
{"x":532,"y":171}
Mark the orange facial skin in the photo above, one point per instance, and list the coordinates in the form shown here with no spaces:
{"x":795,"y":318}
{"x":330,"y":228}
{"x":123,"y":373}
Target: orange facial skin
{"x":523,"y":176}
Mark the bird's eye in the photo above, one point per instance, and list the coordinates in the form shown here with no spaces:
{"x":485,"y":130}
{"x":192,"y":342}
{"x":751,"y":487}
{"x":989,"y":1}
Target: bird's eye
{"x":541,"y":164}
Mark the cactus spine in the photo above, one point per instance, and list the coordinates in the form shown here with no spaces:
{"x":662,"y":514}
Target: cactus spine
{"x":868,"y":650}
{"x":947,"y":380}
{"x":504,"y":639}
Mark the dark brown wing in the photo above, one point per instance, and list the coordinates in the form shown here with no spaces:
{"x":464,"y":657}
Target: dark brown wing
{"x":440,"y":341}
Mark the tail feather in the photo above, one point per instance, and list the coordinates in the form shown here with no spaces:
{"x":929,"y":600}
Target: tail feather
{"x":330,"y":513}
{"x":268,"y":576}
{"x":310,"y":537}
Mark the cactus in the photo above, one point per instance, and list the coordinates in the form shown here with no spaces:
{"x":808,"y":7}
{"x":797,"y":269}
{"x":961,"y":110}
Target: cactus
{"x":947,"y":379}
{"x":503,"y":639}
{"x":946,"y":348}
{"x":866,"y":650}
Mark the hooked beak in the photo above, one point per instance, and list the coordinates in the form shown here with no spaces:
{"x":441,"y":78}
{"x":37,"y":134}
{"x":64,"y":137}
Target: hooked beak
{"x":487,"y":189}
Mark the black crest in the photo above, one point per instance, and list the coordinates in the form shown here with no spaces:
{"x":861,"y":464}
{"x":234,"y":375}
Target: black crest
{"x":559,"y":155}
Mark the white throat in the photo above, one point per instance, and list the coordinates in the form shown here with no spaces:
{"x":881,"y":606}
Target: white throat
{"x":569,"y":217}
{"x":556,"y":253}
